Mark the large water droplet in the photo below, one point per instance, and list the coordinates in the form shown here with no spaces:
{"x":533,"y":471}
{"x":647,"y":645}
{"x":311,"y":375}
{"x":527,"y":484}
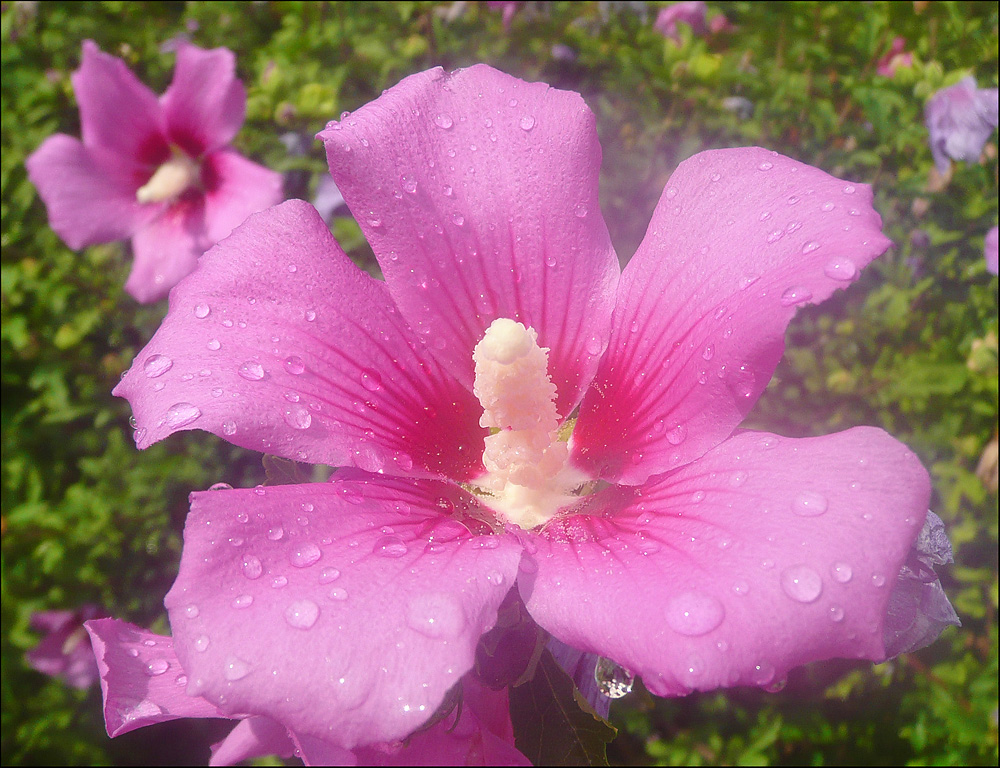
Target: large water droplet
{"x":305,"y":554}
{"x":809,"y":504}
{"x":295,"y":365}
{"x":252,"y":567}
{"x":156,"y":667}
{"x":841,"y":572}
{"x":298,"y":417}
{"x":613,"y":680}
{"x":580,"y":210}
{"x":840,"y":269}
{"x":527,"y":122}
{"x":390,"y":546}
{"x":180,"y":415}
{"x":235,"y":669}
{"x":243,"y":601}
{"x":371,"y":380}
{"x":157,"y":365}
{"x":251,"y":371}
{"x":443,"y":121}
{"x":801,"y":583}
{"x":763,"y":674}
{"x":201,"y":311}
{"x":795,"y":295}
{"x":229,"y":428}
{"x":677,"y":435}
{"x":694,"y":613}
{"x":302,"y":614}
{"x":435,"y":615}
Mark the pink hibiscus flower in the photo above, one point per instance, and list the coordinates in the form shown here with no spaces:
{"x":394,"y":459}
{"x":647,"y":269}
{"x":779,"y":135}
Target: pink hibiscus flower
{"x":511,"y":410}
{"x":960,"y":120}
{"x":157,"y":171}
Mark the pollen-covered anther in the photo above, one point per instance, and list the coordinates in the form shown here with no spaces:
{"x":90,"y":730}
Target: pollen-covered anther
{"x":170,"y":180}
{"x":524,"y":459}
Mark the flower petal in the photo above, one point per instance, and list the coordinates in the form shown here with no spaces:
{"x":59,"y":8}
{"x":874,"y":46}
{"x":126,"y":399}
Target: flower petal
{"x":739,"y":240}
{"x":279,"y":343}
{"x":166,"y":250}
{"x":205,"y":103}
{"x":117,"y":112}
{"x":343,"y":610}
{"x":764,"y":554}
{"x":253,"y":737}
{"x":234,"y":188}
{"x":478,"y":194}
{"x":141,"y":678}
{"x":89,"y":193}
{"x":477,"y":732}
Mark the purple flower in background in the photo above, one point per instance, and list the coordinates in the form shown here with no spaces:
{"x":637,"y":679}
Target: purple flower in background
{"x":507,"y":7}
{"x":510,"y":409}
{"x":990,"y":250}
{"x":694,"y":14}
{"x":64,"y":650}
{"x":960,"y":119}
{"x":896,"y":57}
{"x":156,"y":170}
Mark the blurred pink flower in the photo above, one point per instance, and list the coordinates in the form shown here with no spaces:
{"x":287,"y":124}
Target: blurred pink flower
{"x":960,"y":119}
{"x":64,"y":650}
{"x":896,"y":57}
{"x":658,"y":536}
{"x":157,"y":171}
{"x":507,"y":7}
{"x":694,"y":14}
{"x":990,"y":250}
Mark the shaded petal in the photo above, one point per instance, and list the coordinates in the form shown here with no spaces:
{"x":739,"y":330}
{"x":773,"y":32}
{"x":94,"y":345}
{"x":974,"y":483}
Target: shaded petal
{"x":990,"y":250}
{"x":313,"y":751}
{"x":117,"y":112}
{"x":234,"y":188}
{"x":739,"y":240}
{"x":478,"y":194}
{"x":581,"y":667}
{"x":764,"y":554}
{"x":279,"y":343}
{"x":253,"y":737}
{"x":205,"y":104}
{"x":141,"y":679}
{"x":343,"y":610}
{"x":65,"y":650}
{"x":477,"y":732}
{"x":89,"y":193}
{"x":166,"y":250}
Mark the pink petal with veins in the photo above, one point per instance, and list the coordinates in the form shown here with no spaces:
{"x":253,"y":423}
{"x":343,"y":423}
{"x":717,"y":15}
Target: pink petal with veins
{"x":739,"y":240}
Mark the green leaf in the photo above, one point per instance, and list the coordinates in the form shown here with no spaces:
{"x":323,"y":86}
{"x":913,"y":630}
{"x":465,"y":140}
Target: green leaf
{"x":553,"y":725}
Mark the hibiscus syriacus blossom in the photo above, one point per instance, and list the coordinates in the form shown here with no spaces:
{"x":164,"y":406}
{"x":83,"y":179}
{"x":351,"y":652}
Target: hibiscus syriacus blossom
{"x":511,"y":410}
{"x":64,"y":651}
{"x":158,"y":171}
{"x":960,"y":119}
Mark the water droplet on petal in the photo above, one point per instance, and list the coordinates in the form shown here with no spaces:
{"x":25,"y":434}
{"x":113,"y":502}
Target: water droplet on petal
{"x":157,"y":365}
{"x":338,"y":593}
{"x":443,"y":121}
{"x":878,"y":579}
{"x":677,"y":435}
{"x":390,"y":546}
{"x":243,"y":601}
{"x":840,"y":269}
{"x":810,"y":246}
{"x":278,"y":582}
{"x":580,"y":210}
{"x":252,"y":567}
{"x":709,"y":352}
{"x":613,"y":680}
{"x":527,"y":122}
{"x":801,"y":583}
{"x":201,"y":311}
{"x":294,"y":365}
{"x":763,"y":673}
{"x":836,"y":613}
{"x":156,"y":667}
{"x":229,"y":428}
{"x":795,"y":295}
{"x":408,"y":183}
{"x":694,"y":613}
{"x":371,"y":380}
{"x":251,"y":371}
{"x":435,"y":615}
{"x":298,"y":417}
{"x":849,"y":189}
{"x":180,"y":415}
{"x":235,"y":669}
{"x":841,"y":572}
{"x":765,"y":166}
{"x":305,"y":554}
{"x":741,"y":588}
{"x":809,"y":504}
{"x":302,"y":614}
{"x":201,"y":644}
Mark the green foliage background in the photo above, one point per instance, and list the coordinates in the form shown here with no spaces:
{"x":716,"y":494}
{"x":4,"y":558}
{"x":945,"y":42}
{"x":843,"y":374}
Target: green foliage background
{"x":911,"y":347}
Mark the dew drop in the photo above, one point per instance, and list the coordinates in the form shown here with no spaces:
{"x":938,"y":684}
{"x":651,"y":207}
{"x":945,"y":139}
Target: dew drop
{"x":294,"y":365}
{"x":836,"y":613}
{"x":201,"y":311}
{"x":298,"y":417}
{"x":390,"y":546}
{"x":243,"y":601}
{"x":214,"y":345}
{"x":443,"y":121}
{"x":765,"y":166}
{"x":809,"y":504}
{"x":527,"y":122}
{"x":741,"y":588}
{"x":338,"y":593}
{"x":495,"y":578}
{"x":276,"y":533}
{"x":251,"y":371}
{"x":694,"y":613}
{"x":840,"y":269}
{"x":810,"y":246}
{"x":302,"y":614}
{"x":849,"y":189}
{"x":458,"y":219}
{"x":278,"y":582}
{"x":229,"y":428}
{"x":878,"y":579}
{"x":252,"y":567}
{"x":801,"y":583}
{"x":795,"y":295}
{"x":157,"y":365}
{"x":201,"y":644}
{"x":435,"y":615}
{"x":841,"y":572}
{"x":408,"y":183}
{"x":763,"y":673}
{"x":156,"y":667}
{"x":235,"y":669}
{"x":310,"y":315}
{"x":709,"y":352}
{"x":191,"y":611}
{"x":677,"y":435}
{"x":220,"y":487}
{"x":613,"y":680}
{"x":328,"y":575}
{"x":305,"y":554}
{"x":371,"y":380}
{"x":180,"y":415}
